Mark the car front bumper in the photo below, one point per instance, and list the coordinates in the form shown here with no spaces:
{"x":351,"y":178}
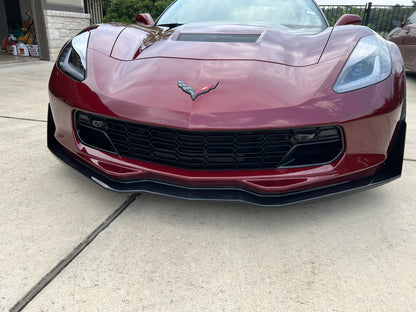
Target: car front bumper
{"x":389,"y":170}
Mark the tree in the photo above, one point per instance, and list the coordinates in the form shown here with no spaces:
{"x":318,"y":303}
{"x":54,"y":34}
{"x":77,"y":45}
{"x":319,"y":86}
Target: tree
{"x":106,"y":6}
{"x":125,"y":11}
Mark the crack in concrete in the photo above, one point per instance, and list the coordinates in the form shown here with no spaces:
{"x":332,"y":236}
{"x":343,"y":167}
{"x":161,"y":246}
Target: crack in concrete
{"x":50,"y":276}
{"x":24,"y":119}
{"x":408,"y":159}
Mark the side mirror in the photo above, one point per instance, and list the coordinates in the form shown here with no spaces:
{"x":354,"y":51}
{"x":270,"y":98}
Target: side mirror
{"x":144,"y":19}
{"x":349,"y":19}
{"x":397,"y":23}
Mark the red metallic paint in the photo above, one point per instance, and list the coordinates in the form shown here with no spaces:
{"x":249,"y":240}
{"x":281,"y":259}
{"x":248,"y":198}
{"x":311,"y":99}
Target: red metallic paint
{"x":405,"y":38}
{"x":144,"y":19}
{"x":277,"y":82}
{"x":273,"y":46}
{"x":349,"y":19}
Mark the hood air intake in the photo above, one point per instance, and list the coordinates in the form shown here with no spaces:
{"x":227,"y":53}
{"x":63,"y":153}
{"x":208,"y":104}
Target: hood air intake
{"x":245,"y":38}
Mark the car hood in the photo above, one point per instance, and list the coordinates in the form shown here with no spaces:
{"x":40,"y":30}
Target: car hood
{"x":276,"y":44}
{"x":252,"y":91}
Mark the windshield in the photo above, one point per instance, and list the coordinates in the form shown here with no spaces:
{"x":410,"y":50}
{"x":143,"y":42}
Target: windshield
{"x":293,"y":13}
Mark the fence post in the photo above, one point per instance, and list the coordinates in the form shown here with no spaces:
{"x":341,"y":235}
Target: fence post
{"x":367,"y":13}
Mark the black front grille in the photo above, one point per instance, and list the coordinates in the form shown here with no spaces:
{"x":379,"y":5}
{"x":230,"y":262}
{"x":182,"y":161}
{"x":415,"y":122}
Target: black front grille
{"x":211,"y":150}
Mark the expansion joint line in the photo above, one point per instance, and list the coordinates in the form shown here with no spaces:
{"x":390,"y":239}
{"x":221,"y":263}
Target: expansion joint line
{"x":23,"y":119}
{"x":32,"y":293}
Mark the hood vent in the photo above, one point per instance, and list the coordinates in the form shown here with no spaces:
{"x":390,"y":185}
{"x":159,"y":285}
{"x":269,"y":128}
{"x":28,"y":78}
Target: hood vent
{"x":245,"y":38}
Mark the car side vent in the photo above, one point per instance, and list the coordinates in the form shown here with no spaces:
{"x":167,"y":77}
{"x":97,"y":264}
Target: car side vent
{"x":246,"y":38}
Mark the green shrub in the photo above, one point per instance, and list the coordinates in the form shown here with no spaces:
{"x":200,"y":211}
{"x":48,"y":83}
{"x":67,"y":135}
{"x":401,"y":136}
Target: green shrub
{"x":125,"y":11}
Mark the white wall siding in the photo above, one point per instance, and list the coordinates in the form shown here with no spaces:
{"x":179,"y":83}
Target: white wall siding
{"x":79,"y":3}
{"x":62,"y":26}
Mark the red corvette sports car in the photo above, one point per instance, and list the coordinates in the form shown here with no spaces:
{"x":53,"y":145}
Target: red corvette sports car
{"x":404,"y":35}
{"x":256,"y":101}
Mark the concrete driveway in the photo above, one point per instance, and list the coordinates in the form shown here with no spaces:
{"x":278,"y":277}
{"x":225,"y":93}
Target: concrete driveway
{"x":81,"y":248}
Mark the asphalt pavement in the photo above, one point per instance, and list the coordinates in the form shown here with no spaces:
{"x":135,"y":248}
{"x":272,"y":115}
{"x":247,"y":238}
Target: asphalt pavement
{"x":66,"y":244}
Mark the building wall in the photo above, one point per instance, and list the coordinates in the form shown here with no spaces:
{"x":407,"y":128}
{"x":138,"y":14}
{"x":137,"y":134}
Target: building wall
{"x":67,"y":2}
{"x":4,"y":32}
{"x":25,"y":7}
{"x":64,"y":5}
{"x":62,"y":26}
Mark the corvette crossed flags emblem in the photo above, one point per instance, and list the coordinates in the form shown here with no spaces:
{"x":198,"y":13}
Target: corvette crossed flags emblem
{"x":194,"y":94}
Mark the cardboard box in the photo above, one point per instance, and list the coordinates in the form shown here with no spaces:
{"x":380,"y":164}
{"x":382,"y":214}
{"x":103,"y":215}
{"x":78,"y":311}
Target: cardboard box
{"x":33,"y":49}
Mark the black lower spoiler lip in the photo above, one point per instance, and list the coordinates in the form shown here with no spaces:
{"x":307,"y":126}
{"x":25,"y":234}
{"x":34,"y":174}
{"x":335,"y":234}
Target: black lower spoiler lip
{"x":390,"y":170}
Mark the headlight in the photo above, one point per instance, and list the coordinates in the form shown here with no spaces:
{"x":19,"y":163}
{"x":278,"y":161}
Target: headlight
{"x":368,"y":64}
{"x":73,"y":59}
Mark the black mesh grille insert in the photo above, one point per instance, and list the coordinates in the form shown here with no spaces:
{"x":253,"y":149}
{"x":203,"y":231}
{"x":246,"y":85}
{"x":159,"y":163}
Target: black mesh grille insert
{"x":214,"y":150}
{"x":245,"y":38}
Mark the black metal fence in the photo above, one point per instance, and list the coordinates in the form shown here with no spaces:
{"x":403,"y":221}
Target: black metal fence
{"x":334,"y":12}
{"x":377,"y":17}
{"x":95,"y":9}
